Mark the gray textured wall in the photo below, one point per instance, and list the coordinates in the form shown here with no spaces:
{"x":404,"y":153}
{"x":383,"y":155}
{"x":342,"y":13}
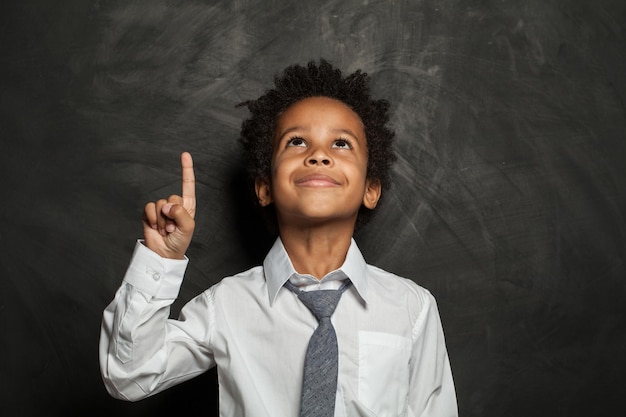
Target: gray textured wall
{"x":508,"y":200}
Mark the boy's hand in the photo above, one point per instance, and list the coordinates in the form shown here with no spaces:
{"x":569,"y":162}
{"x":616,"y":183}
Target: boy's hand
{"x":168,"y":224}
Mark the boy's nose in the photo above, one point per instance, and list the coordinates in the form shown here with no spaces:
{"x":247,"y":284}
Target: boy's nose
{"x":319,"y":158}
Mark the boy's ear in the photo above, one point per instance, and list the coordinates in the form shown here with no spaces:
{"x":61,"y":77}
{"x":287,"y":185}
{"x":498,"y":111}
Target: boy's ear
{"x":373,"y":190}
{"x":262,"y":188}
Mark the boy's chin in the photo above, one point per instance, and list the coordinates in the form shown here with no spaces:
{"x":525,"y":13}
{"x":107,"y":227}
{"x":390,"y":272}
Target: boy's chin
{"x":321,"y":219}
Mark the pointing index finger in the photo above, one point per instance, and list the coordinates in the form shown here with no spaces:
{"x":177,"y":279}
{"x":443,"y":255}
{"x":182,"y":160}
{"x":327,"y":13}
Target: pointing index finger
{"x":189,"y":178}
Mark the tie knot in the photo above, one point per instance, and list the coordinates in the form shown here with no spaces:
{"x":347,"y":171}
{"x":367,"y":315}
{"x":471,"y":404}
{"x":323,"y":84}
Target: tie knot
{"x":322,"y":303}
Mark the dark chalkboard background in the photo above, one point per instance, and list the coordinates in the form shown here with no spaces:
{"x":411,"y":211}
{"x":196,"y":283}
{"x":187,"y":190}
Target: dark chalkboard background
{"x":509,"y":195}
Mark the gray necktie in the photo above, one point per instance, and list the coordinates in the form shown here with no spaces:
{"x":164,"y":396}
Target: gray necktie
{"x":319,"y":386}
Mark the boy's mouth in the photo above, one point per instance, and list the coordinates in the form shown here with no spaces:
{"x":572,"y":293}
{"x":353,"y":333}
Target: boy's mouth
{"x":317,"y":180}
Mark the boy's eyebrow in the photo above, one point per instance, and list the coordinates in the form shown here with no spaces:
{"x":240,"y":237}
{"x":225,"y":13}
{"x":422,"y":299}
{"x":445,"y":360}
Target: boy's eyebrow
{"x":289,"y":130}
{"x":347,"y":131}
{"x":334,"y":131}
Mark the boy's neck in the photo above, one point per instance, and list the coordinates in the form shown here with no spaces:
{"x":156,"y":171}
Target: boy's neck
{"x":317,"y":250}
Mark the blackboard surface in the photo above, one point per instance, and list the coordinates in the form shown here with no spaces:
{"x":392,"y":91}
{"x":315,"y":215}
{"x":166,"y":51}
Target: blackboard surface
{"x":508,"y":203}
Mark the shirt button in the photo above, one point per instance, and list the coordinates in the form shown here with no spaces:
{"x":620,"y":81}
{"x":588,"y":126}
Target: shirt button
{"x":156,"y":276}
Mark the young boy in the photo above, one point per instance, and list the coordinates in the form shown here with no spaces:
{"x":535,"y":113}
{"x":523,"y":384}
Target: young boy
{"x":318,"y":155}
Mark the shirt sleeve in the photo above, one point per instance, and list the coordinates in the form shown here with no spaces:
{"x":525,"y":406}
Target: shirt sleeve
{"x":431,"y":387}
{"x":141,"y":350}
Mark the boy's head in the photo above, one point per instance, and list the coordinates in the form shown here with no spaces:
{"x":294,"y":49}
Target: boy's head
{"x":296,"y":83}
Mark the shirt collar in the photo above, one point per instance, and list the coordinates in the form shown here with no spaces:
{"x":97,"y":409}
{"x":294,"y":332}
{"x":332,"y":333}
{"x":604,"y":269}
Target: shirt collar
{"x":278,"y":269}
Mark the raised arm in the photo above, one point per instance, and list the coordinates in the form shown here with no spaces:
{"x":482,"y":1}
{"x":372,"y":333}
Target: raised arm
{"x":168,"y":224}
{"x":142,"y":351}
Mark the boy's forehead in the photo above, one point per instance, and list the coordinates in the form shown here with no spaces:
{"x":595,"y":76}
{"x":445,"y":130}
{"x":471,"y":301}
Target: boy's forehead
{"x":302,"y":108}
{"x":331,"y":114}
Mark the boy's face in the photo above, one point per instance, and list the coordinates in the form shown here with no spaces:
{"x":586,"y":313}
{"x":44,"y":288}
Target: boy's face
{"x":319,"y":164}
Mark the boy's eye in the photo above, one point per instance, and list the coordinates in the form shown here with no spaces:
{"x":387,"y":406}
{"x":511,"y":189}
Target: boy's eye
{"x":342,"y":144}
{"x":296,"y":141}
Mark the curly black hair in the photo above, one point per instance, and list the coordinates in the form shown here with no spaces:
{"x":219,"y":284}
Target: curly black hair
{"x":299,"y":82}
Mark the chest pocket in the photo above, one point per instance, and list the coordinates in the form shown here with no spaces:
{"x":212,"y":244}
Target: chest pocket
{"x":384,"y":373}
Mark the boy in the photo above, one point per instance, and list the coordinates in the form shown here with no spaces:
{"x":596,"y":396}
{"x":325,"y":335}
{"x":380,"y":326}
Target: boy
{"x":318,"y":155}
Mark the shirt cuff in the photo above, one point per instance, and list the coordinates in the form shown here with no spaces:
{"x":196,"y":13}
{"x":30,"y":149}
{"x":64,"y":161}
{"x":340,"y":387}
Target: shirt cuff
{"x":154,"y":275}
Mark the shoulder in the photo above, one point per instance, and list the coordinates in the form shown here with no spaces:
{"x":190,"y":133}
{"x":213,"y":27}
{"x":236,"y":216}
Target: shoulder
{"x":250,"y":277}
{"x":389,"y":287}
{"x":389,"y":281}
{"x":242,"y":286}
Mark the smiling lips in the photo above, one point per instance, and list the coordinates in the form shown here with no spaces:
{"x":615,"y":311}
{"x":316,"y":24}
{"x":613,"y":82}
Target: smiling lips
{"x":317,"y":180}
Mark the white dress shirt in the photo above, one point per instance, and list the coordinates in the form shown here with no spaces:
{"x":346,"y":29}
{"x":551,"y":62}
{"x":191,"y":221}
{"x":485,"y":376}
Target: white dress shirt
{"x":392,"y":354}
